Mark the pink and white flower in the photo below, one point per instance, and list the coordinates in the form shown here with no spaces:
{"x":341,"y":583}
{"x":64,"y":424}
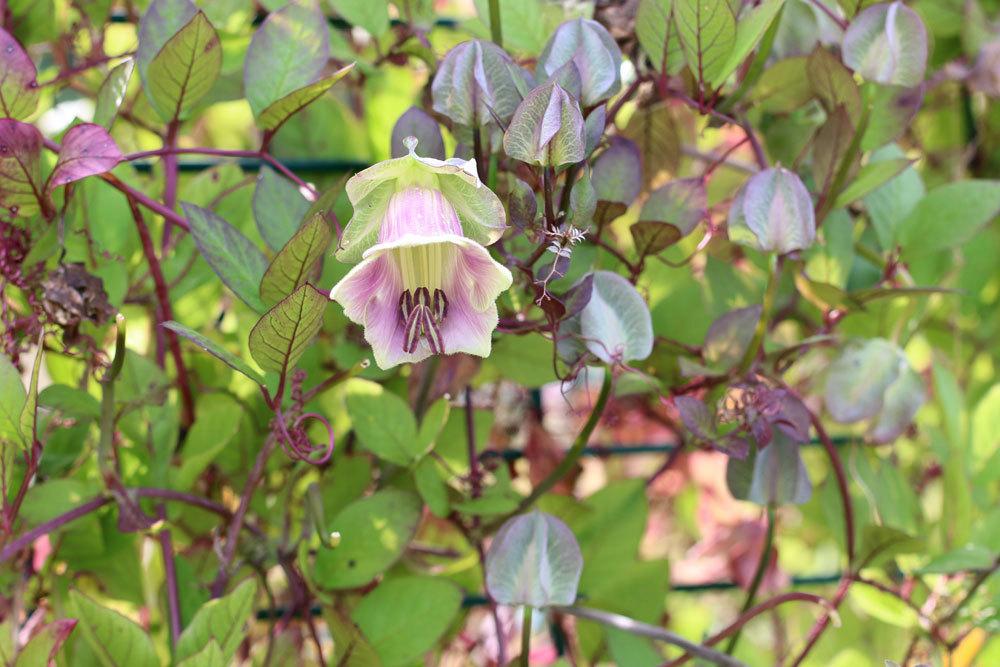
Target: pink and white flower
{"x":424,"y":288}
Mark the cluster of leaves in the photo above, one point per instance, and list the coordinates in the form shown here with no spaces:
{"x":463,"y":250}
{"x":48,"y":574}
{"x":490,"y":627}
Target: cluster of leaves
{"x":755,"y":223}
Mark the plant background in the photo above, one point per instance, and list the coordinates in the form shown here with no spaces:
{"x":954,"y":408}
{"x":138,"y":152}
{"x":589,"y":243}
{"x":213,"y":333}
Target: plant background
{"x":661,"y":536}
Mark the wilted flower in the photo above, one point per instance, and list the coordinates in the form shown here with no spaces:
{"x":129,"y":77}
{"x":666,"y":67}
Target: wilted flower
{"x":425,"y":284}
{"x":586,"y":46}
{"x":773,"y":212}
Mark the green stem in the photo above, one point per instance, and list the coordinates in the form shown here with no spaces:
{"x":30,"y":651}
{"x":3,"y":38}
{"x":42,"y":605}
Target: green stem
{"x":496,"y":29}
{"x":575,"y":451}
{"x":770,"y":293}
{"x":758,"y":576}
{"x":526,"y":638}
{"x":105,"y":456}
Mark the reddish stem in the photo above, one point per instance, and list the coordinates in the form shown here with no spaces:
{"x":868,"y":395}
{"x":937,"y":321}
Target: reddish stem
{"x":750,"y":614}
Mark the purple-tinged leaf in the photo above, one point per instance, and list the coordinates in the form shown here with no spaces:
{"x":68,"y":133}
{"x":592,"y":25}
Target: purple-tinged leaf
{"x":547,"y":129}
{"x":733,"y":445}
{"x":728,"y":337}
{"x":830,"y":145}
{"x":893,"y":109}
{"x":535,"y":561}
{"x":416,"y":122}
{"x":833,"y":83}
{"x":593,"y":128}
{"x":474,"y":78}
{"x":237,"y":261}
{"x":278,"y":207}
{"x":696,"y":417}
{"x":87,"y":149}
{"x":779,"y":475}
{"x":872,"y":379}
{"x":682,"y":202}
{"x":18,"y":87}
{"x":654,"y":130}
{"x":582,"y":202}
{"x":887,"y":43}
{"x":522,"y":204}
{"x":651,"y":237}
{"x":773,"y":212}
{"x":577,"y":297}
{"x":21,"y":186}
{"x":617,"y":172}
{"x":592,"y":51}
{"x":568,"y":78}
{"x":285,"y":60}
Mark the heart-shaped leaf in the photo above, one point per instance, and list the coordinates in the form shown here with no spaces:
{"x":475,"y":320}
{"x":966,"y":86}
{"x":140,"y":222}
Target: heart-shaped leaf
{"x":615,"y":324}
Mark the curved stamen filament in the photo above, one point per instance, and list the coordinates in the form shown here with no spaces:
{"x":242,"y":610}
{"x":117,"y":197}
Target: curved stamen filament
{"x":422,"y":316}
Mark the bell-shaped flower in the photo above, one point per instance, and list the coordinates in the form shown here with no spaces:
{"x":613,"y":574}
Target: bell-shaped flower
{"x":424,"y":287}
{"x":480,"y":213}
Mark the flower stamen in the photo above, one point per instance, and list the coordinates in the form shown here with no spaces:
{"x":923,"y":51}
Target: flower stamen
{"x":422,"y":317}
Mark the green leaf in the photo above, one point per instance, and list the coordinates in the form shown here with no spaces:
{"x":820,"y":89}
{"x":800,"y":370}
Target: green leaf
{"x":288,"y":52}
{"x":750,"y":29}
{"x":280,"y":110}
{"x":184,"y":70}
{"x":29,"y":412}
{"x":278,"y":208}
{"x":783,"y":87}
{"x":210,"y":656}
{"x":162,"y":21}
{"x":871,"y":176}
{"x":18,"y":88}
{"x":348,"y":642}
{"x":296,"y":261}
{"x":404,"y":618}
{"x":280,"y":337}
{"x":879,"y":544}
{"x":216,"y":351}
{"x":428,"y":477}
{"x":220,"y":621}
{"x":969,"y":557}
{"x":707,"y":29}
{"x":111,"y":94}
{"x":72,"y":402}
{"x":383,"y":421}
{"x":43,"y":646}
{"x":534,"y":560}
{"x":883,"y":606}
{"x":948,"y":216}
{"x":13,"y":398}
{"x":216,"y":425}
{"x":657,"y":34}
{"x":890,"y":204}
{"x":237,"y":261}
{"x":372,"y":15}
{"x":779,"y":475}
{"x":114,"y":639}
{"x":374,"y":533}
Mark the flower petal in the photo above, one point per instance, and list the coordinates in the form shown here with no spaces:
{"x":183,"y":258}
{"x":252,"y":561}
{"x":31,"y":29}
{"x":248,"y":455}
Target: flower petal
{"x":477,"y":274}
